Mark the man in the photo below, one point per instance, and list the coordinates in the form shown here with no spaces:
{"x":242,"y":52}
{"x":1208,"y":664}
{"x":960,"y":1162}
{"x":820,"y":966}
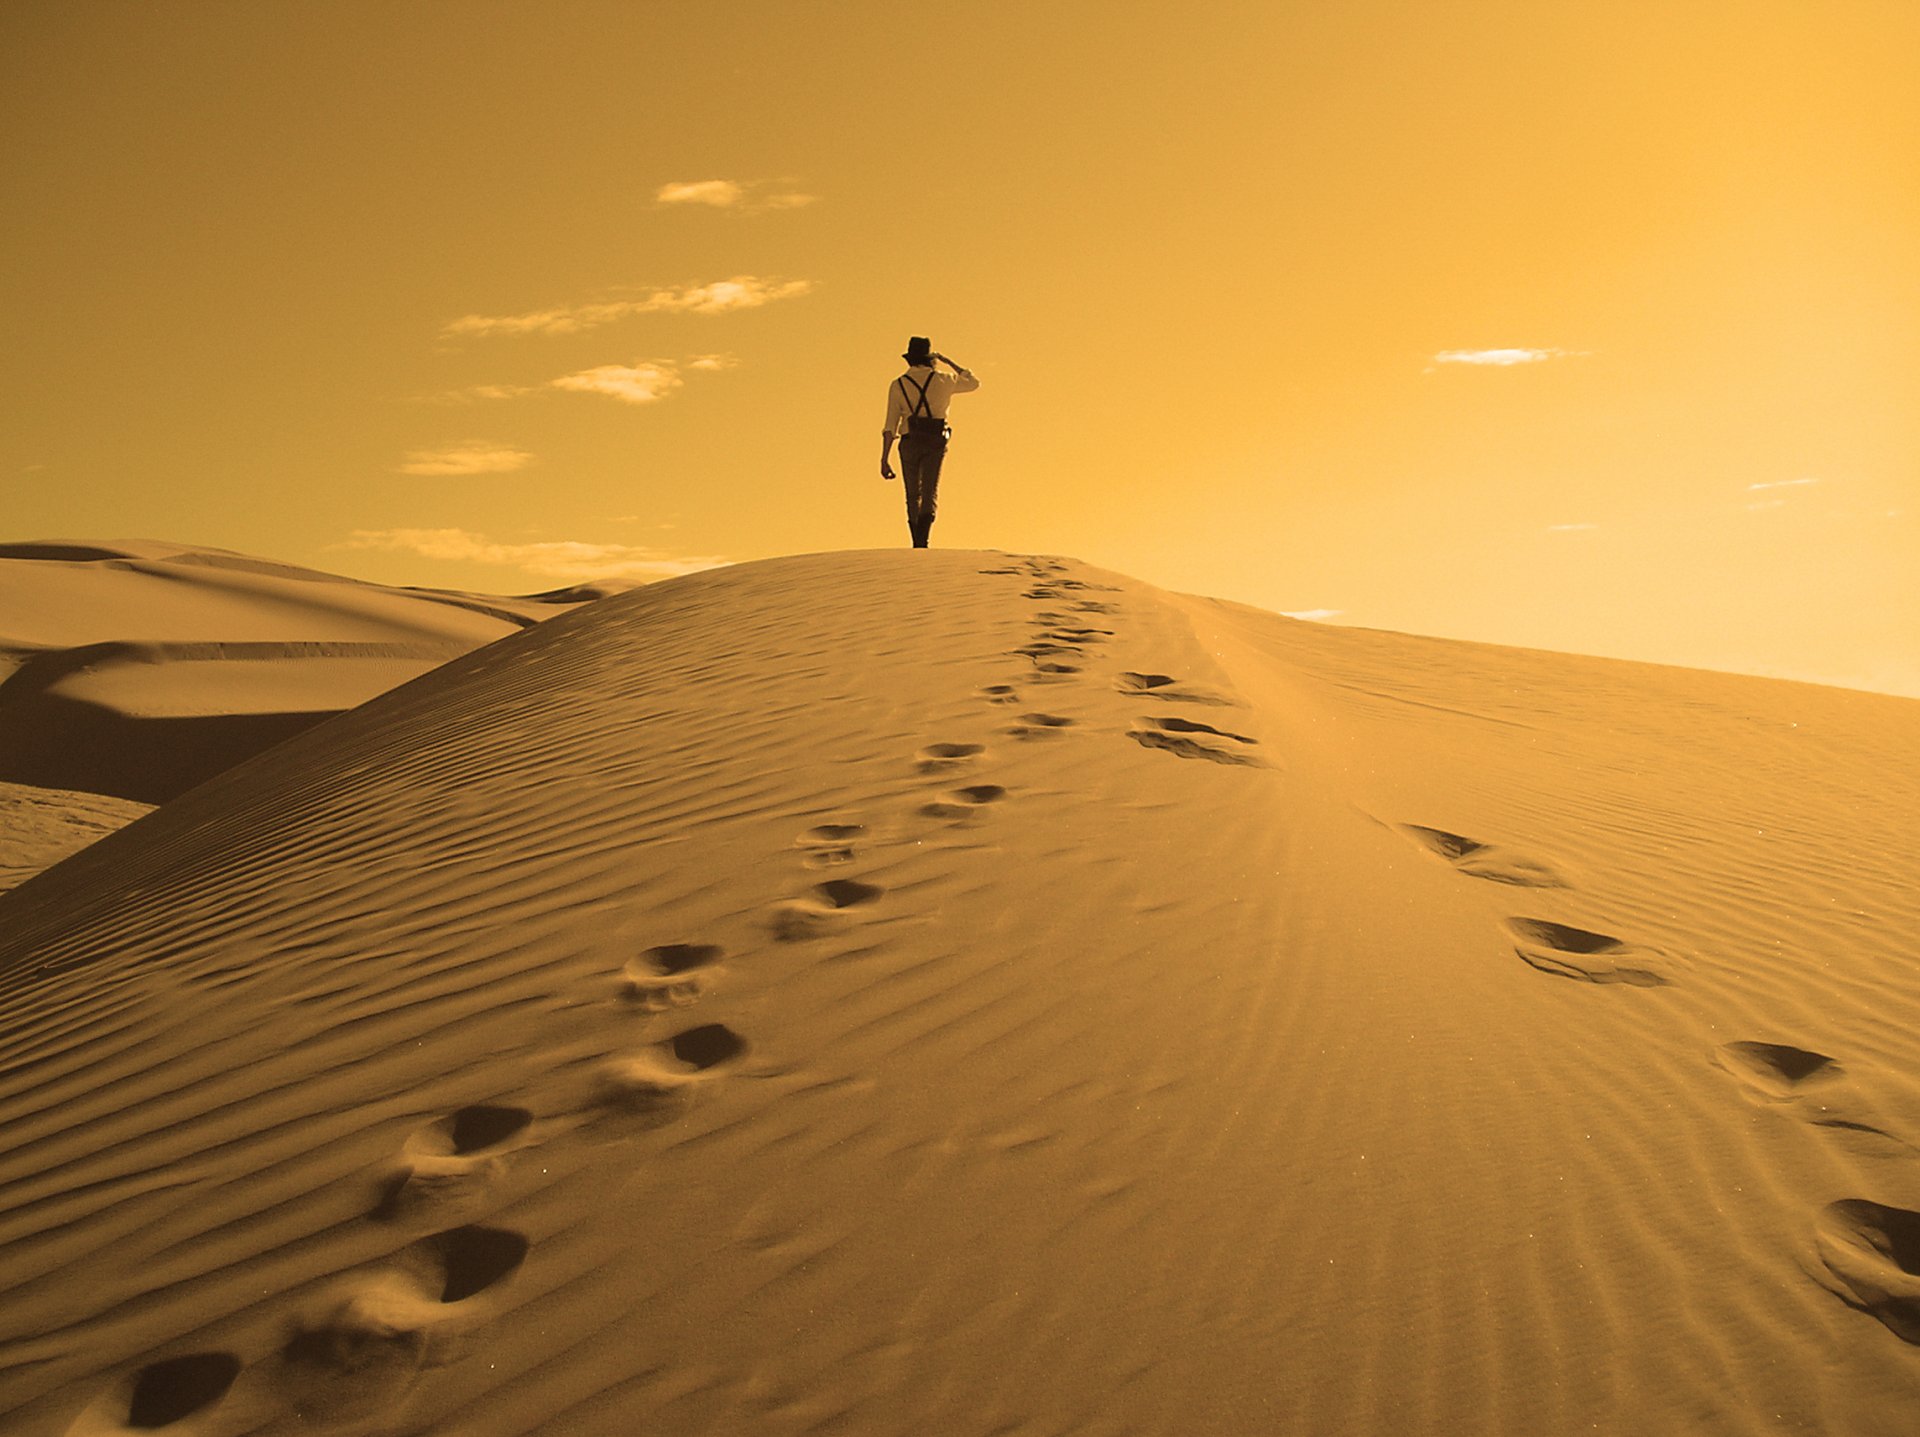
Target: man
{"x":917,"y":416}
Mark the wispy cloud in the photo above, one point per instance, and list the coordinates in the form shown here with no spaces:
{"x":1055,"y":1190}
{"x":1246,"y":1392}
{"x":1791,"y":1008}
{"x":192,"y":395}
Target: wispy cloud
{"x":1313,"y":615}
{"x":629,"y":383}
{"x":642,"y":382}
{"x":478,"y":393}
{"x":492,"y":391}
{"x":722,"y":296}
{"x":721,"y":194}
{"x":475,"y":456}
{"x":1504,"y":358}
{"x":739,"y":195}
{"x":571,"y":560}
{"x":1570,"y":528}
{"x":1774,"y":493}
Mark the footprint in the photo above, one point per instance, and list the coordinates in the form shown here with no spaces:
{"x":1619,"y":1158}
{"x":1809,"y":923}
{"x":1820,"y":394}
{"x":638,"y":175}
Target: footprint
{"x":1039,"y":725}
{"x":963,"y":803}
{"x":1778,"y":1072}
{"x":482,"y":1126}
{"x":839,"y":894}
{"x":1066,"y":635}
{"x":1169,"y":735}
{"x":707,"y":1046}
{"x":1816,"y":1085}
{"x":936,"y":757}
{"x":171,"y":1390}
{"x":1094,"y":606}
{"x":829,"y":844}
{"x":1042,"y":591}
{"x":1000,"y":694}
{"x":1872,"y":1256}
{"x":660,"y":1081}
{"x":449,"y":1165}
{"x":1568,"y":952}
{"x":1051,"y":661}
{"x":811,"y":916}
{"x":670,"y":975}
{"x":1484,"y":860}
{"x":1165,"y":686}
{"x":1181,"y":725}
{"x":362,"y":1354}
{"x":467,"y":1261}
{"x":832,"y":833}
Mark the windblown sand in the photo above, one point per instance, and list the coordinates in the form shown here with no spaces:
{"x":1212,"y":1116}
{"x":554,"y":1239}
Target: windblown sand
{"x":939,"y":993}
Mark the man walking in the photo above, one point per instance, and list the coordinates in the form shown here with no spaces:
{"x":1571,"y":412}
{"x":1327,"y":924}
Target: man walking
{"x":917,"y":416}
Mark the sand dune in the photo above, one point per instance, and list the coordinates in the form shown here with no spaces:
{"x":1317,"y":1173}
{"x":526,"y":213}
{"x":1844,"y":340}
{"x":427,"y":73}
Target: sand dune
{"x":950,"y":993}
{"x":138,"y":669}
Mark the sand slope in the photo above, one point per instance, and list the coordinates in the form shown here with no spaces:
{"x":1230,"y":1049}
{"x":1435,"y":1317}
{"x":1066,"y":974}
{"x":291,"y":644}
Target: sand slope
{"x":41,"y":826}
{"x":936,"y":992}
{"x":137,"y":669}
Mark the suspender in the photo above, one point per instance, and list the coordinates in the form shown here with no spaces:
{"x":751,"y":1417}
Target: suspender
{"x":921,"y":408}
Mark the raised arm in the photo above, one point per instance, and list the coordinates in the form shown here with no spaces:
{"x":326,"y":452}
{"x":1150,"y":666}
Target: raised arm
{"x":965,"y":382}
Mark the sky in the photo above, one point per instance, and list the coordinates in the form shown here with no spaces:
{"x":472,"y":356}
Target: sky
{"x":1583,"y":326}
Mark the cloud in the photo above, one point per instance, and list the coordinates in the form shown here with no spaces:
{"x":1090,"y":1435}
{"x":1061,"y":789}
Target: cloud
{"x":629,"y":383}
{"x":642,"y":382}
{"x":476,"y":392}
{"x":1312,"y":615}
{"x":743,"y":197}
{"x":1570,"y":528}
{"x":721,"y":194}
{"x":1502,"y":358}
{"x":1773,"y":492}
{"x":571,"y":560}
{"x":721,"y":296}
{"x":476,"y":456}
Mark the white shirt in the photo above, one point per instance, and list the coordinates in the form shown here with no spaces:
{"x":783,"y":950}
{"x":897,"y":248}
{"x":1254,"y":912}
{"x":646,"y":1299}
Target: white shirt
{"x":904,"y":398}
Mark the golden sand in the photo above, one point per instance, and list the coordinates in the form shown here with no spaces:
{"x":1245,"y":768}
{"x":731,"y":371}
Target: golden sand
{"x":950,"y":993}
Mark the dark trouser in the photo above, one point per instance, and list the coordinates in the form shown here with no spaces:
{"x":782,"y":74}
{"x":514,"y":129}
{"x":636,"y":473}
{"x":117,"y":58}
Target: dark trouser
{"x":920,"y":457}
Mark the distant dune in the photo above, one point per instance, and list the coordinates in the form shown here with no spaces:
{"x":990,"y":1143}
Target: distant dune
{"x":945,"y":993}
{"x":133,"y":671}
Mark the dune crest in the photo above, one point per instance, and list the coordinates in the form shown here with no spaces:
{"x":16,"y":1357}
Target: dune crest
{"x":973,"y":994}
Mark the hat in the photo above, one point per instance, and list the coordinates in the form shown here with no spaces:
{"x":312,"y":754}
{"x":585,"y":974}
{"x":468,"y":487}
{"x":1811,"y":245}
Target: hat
{"x":919,"y":350}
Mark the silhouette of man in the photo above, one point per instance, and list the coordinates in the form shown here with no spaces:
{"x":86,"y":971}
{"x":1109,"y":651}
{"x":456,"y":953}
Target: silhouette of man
{"x":917,"y":416}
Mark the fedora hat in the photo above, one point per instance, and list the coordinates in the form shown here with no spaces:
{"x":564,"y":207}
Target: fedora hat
{"x":919,"y":350}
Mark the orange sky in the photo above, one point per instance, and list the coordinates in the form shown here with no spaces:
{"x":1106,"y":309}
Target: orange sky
{"x":1205,"y":259}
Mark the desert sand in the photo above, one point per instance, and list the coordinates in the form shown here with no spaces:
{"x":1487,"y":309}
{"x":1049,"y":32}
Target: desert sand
{"x":945,"y":992}
{"x":132,"y":670}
